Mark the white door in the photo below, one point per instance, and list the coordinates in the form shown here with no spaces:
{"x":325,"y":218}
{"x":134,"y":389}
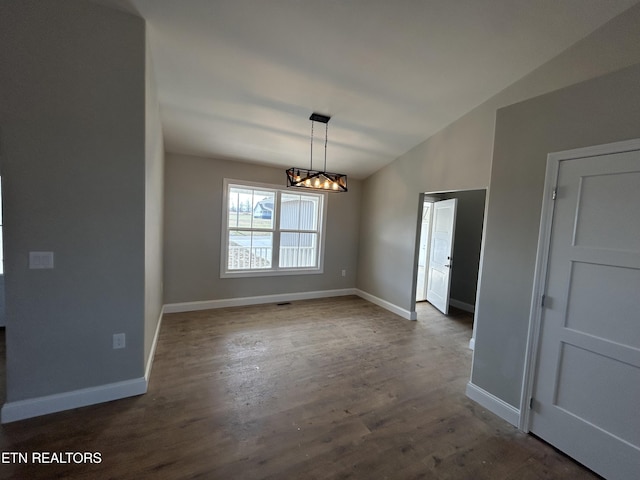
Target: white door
{"x":586,"y":395}
{"x":423,"y":253}
{"x":439,"y":271}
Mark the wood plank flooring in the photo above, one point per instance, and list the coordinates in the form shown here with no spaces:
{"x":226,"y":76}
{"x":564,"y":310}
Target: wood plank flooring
{"x":324,"y":389}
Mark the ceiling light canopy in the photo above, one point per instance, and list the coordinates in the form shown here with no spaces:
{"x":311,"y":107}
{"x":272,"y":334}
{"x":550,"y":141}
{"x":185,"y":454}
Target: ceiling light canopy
{"x":317,"y":179}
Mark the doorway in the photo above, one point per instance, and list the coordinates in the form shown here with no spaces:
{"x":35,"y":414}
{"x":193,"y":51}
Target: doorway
{"x":464,"y":261}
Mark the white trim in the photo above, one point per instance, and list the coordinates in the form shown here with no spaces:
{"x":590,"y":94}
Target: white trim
{"x":476,"y":313}
{"x":152,"y":352}
{"x":472,"y":343}
{"x":286,"y":297}
{"x":492,"y":403}
{"x":258,"y":300}
{"x":409,"y":315}
{"x":542,"y":257}
{"x":539,"y":279}
{"x":34,"y":407}
{"x":597,"y":150}
{"x":467,"y":307}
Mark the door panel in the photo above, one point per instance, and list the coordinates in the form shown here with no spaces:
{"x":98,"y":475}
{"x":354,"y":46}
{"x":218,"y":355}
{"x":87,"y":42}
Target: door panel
{"x":588,"y":303}
{"x":423,"y":254}
{"x":600,"y":227}
{"x":579,"y":395}
{"x":587,"y":385}
{"x":439,"y":272}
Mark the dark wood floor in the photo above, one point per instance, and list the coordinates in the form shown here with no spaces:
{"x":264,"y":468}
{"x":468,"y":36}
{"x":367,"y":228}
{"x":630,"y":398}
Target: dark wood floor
{"x":323,"y":389}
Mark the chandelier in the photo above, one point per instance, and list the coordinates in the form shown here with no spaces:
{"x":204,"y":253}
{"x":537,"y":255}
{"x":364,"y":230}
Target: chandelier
{"x":317,"y":179}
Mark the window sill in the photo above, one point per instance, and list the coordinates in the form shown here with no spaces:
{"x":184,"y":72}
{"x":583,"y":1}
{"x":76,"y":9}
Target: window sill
{"x":270,"y":273}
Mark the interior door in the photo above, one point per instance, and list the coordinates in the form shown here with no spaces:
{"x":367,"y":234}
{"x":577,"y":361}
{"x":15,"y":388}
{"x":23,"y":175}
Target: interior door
{"x":587,"y":381}
{"x":423,"y":252}
{"x":439,"y":271}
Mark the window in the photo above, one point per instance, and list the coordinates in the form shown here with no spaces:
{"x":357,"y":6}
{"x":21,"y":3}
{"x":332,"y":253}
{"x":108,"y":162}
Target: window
{"x":271,"y":231}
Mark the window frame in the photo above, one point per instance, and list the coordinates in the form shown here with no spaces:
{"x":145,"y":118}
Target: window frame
{"x":275,"y":269}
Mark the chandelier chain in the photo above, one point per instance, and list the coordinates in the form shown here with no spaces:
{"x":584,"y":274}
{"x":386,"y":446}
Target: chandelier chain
{"x":326,"y":133}
{"x":311,"y":154}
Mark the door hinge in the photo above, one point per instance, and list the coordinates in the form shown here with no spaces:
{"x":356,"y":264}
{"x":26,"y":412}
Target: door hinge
{"x":531,"y":403}
{"x":554,"y":194}
{"x":542,"y":302}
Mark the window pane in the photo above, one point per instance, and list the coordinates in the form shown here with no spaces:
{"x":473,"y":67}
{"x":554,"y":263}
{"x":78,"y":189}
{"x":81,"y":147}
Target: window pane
{"x":250,"y":208}
{"x":298,"y":250}
{"x":299,"y":212}
{"x":261,"y":249}
{"x":249,"y":250}
{"x":289,"y":250}
{"x":239,"y":250}
{"x":262,"y":210}
{"x":239,"y":205}
{"x":309,"y":213}
{"x":307,"y":250}
{"x":290,"y":211}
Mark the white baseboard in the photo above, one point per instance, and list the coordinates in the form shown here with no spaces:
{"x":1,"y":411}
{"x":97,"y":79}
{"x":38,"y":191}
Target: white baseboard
{"x":493,"y":404}
{"x":152,"y":353}
{"x":34,"y":407}
{"x":387,"y":305}
{"x":467,"y":307}
{"x":258,"y":300}
{"x":285,"y":297}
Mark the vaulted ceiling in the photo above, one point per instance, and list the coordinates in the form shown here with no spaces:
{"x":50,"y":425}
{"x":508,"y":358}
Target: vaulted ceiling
{"x":238,"y":79}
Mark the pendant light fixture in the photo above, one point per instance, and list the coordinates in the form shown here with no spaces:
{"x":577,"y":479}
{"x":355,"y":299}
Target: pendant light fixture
{"x":317,"y":179}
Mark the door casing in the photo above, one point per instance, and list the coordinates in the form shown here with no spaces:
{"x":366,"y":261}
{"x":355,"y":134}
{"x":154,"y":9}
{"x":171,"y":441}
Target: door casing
{"x":542,"y":258}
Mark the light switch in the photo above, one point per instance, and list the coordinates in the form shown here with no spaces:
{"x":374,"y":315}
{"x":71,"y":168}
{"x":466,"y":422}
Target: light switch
{"x":40,"y":260}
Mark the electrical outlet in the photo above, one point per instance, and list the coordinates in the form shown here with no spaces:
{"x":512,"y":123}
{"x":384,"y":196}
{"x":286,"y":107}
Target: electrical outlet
{"x":39,"y":260}
{"x":119,"y":340}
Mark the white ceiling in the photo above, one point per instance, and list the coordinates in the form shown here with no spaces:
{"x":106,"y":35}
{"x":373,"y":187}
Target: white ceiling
{"x":238,"y":79}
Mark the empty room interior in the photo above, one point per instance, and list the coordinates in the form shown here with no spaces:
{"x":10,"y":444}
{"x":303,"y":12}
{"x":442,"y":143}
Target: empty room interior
{"x":297,"y":239}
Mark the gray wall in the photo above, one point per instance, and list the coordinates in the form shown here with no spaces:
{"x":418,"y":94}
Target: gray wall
{"x":154,"y":204}
{"x":3,"y":316}
{"x":193,"y":218}
{"x":598,"y":111}
{"x":72,"y":96}
{"x":466,"y":244}
{"x":459,"y":158}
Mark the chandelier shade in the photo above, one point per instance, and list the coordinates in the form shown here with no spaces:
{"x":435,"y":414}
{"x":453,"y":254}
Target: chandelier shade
{"x":317,"y":179}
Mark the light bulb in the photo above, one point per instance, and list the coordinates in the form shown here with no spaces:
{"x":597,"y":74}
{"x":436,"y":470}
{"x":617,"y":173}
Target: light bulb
{"x":317,"y":184}
{"x":326,"y":184}
{"x":307,"y":182}
{"x":335,"y":186}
